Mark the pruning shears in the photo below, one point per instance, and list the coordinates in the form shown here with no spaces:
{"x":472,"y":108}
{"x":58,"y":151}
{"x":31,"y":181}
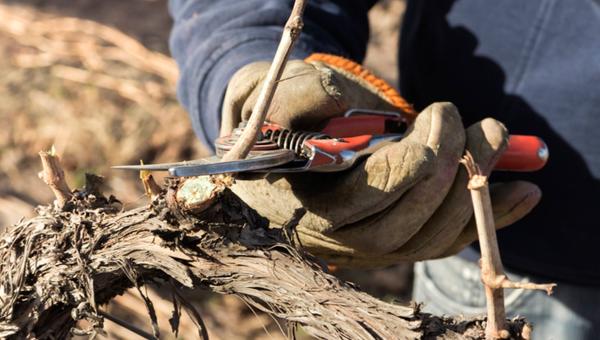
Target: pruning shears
{"x":338,"y":146}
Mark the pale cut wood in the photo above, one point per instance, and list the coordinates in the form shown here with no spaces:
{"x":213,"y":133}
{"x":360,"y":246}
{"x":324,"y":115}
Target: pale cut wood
{"x":54,"y":176}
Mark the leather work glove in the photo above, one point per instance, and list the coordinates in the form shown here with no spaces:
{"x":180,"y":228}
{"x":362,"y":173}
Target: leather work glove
{"x":406,"y":202}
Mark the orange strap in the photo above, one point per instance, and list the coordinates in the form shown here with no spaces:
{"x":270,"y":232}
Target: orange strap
{"x":381,"y":85}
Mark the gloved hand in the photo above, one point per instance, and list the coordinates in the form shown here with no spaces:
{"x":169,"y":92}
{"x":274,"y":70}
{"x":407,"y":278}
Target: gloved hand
{"x":309,"y":93}
{"x":406,"y":202}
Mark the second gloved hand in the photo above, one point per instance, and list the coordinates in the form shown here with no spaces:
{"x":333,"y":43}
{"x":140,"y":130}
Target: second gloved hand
{"x":406,"y":202}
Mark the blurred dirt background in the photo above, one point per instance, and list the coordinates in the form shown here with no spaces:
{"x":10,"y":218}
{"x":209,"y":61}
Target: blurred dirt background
{"x":94,"y":78}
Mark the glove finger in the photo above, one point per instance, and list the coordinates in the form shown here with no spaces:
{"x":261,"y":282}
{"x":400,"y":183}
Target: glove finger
{"x":337,"y":199}
{"x":510,"y":202}
{"x":334,"y":199}
{"x":392,"y":169}
{"x":305,"y":97}
{"x":373,"y":231}
{"x":309,"y":94}
{"x":486,"y":140}
{"x":241,"y":86}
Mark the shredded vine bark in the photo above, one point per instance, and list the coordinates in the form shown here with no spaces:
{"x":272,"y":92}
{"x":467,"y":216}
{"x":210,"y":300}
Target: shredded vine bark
{"x":65,"y":264}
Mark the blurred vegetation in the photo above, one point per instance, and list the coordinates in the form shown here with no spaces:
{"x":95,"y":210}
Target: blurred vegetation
{"x":97,"y":94}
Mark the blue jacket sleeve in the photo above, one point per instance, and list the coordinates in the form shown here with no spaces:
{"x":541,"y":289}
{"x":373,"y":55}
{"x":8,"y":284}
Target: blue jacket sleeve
{"x":212,"y":39}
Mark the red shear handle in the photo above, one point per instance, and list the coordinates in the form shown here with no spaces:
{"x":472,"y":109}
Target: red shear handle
{"x":524,"y":153}
{"x":340,"y":127}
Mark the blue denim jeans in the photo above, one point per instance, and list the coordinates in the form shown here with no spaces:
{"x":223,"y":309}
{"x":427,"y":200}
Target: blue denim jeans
{"x":452,"y":286}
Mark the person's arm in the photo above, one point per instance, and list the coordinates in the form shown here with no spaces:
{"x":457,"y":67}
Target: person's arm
{"x":211,"y":40}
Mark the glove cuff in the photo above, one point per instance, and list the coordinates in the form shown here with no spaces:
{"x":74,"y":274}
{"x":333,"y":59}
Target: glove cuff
{"x":353,"y":69}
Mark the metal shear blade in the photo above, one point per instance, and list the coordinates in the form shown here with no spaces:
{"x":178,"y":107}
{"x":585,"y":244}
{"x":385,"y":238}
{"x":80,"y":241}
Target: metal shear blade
{"x":213,"y":165}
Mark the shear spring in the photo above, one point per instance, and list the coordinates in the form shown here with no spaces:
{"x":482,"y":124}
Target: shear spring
{"x":292,"y":140}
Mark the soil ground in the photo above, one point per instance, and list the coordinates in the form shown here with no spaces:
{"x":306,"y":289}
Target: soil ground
{"x":87,"y":87}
